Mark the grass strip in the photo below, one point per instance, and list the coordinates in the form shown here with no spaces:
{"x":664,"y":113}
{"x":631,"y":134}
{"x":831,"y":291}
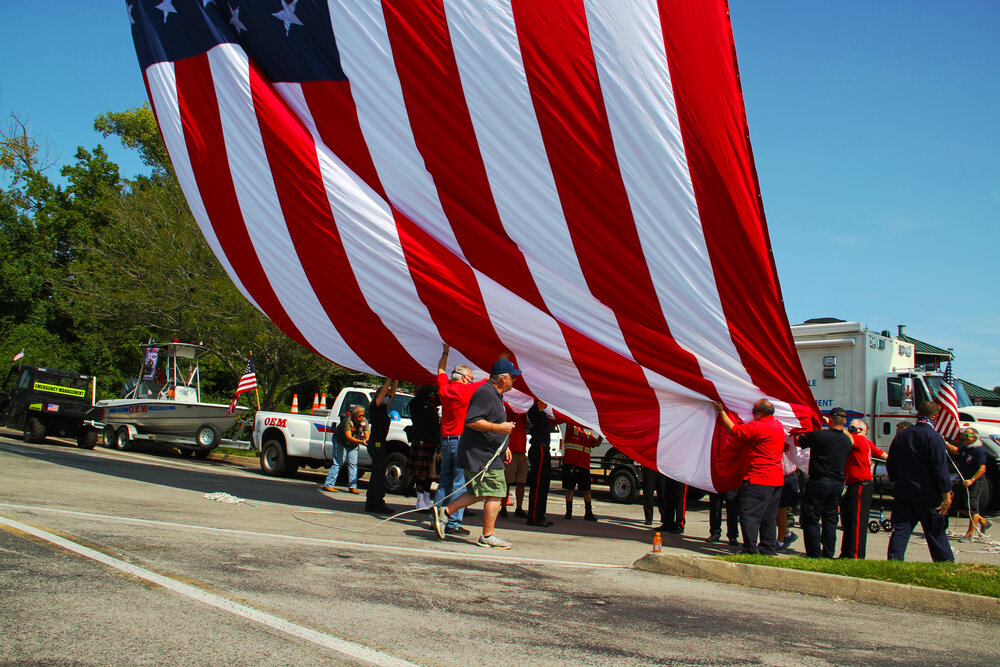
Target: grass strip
{"x":975,"y":578}
{"x":229,"y":451}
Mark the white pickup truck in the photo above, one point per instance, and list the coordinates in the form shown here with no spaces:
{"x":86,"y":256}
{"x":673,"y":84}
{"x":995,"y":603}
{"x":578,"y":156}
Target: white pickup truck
{"x":287,"y":441}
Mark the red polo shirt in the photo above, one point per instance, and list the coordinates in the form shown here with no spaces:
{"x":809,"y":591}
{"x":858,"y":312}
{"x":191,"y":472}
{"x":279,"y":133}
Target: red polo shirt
{"x":858,"y":467}
{"x":454,"y":398}
{"x":518,"y":442}
{"x":763,"y":442}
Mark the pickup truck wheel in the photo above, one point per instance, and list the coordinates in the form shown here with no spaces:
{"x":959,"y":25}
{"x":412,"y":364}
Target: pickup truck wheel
{"x":110,"y":437}
{"x":124,"y":439}
{"x":624,"y":485}
{"x":396,"y":479}
{"x":34,"y":430}
{"x":273,"y":459}
{"x":87,"y":439}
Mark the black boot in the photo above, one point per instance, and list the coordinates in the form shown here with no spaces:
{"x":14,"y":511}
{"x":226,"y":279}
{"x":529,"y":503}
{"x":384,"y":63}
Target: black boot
{"x":569,"y":510}
{"x":589,"y":513}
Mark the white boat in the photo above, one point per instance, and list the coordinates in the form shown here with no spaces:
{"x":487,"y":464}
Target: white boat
{"x":164,"y":404}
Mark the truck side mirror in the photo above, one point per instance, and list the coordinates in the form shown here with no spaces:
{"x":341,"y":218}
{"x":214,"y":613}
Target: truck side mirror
{"x":907,"y":393}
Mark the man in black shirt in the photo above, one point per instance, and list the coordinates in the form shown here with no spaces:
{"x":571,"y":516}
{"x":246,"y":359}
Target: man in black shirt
{"x":378,"y":417}
{"x":482,"y":454}
{"x":821,"y":499}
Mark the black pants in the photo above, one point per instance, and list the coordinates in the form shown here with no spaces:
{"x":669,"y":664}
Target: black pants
{"x":905,"y":515}
{"x":539,"y":478}
{"x":654,"y":485}
{"x":854,"y":508}
{"x":821,"y":503}
{"x":676,"y":504}
{"x":759,"y":517}
{"x":375,"y":497}
{"x":732,"y":501}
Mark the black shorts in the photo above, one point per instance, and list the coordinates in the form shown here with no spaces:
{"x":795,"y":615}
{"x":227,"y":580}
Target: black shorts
{"x":963,"y":502}
{"x":790,"y":491}
{"x":575,"y":477}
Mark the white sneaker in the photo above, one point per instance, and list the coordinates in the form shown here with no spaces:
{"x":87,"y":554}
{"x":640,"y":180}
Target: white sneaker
{"x":493,"y":542}
{"x":423,"y":500}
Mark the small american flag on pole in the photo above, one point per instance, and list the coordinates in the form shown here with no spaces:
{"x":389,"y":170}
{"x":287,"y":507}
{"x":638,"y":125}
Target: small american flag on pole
{"x":947,"y":421}
{"x":248,"y":381}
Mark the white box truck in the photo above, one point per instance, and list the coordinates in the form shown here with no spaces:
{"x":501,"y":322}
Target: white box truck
{"x":873,"y":377}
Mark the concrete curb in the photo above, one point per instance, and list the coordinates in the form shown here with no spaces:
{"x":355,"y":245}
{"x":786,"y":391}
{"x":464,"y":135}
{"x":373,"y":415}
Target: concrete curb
{"x":902,"y":596}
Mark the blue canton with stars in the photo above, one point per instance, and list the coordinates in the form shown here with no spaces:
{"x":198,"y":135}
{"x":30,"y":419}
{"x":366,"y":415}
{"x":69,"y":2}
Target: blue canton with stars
{"x":290,"y":40}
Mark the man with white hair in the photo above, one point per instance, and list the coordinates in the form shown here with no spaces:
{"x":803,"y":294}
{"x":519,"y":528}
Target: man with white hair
{"x":857,"y":499}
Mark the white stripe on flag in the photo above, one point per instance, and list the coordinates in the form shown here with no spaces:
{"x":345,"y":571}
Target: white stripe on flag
{"x":163,"y":89}
{"x":262,"y":213}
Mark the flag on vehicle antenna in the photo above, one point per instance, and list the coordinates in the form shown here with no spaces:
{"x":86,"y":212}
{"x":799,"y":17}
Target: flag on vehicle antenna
{"x":947,"y":420}
{"x":19,"y":355}
{"x":248,"y":381}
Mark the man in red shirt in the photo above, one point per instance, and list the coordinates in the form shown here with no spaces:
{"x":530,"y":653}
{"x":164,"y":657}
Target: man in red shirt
{"x":857,"y":499}
{"x":576,"y":468}
{"x":762,"y":441}
{"x":454,"y":394}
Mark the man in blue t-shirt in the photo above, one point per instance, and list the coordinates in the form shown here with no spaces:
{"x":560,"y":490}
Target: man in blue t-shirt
{"x":482,"y":454}
{"x":970,"y":459}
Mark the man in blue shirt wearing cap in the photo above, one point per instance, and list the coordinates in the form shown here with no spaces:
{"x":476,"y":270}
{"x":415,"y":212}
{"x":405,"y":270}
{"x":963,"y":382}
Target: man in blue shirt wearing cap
{"x":482,"y":453}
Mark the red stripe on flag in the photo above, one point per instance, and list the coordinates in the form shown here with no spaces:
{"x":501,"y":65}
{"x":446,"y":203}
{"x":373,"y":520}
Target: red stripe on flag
{"x":565,"y":91}
{"x":430,"y":81}
{"x":202,"y":124}
{"x":444,"y":283}
{"x":705,"y":81}
{"x":305,"y":206}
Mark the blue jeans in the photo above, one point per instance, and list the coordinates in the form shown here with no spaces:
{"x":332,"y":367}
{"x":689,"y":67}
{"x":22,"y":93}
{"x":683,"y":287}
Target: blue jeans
{"x":339,"y":452}
{"x":452,"y":478}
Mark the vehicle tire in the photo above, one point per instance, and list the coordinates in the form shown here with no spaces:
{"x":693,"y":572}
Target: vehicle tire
{"x":123,"y":440}
{"x":273,"y":460}
{"x":396,"y":479}
{"x":624,"y":485}
{"x":110,"y":437}
{"x":34,"y":430}
{"x":87,"y":439}
{"x":208,"y":436}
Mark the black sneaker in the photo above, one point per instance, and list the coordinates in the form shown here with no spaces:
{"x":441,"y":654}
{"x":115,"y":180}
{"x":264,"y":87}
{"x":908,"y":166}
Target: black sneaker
{"x":567,"y":516}
{"x":734,"y":542}
{"x":456,"y":530}
{"x":715,"y":537}
{"x":789,"y":538}
{"x":520,"y":513}
{"x":589,"y":516}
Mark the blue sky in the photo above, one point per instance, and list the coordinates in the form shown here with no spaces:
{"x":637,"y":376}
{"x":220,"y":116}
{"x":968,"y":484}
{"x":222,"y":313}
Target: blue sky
{"x":874,"y":126}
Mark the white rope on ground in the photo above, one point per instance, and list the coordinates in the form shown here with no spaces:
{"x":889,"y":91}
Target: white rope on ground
{"x":229,"y":499}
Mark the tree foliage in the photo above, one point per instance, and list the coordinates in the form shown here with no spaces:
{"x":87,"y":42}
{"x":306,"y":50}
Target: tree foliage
{"x":103,"y":264}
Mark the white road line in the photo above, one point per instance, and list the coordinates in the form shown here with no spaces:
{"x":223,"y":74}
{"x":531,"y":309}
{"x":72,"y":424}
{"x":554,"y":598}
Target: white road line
{"x":345,"y":647}
{"x":434,"y":553}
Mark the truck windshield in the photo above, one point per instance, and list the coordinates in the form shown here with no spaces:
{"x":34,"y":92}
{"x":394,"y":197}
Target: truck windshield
{"x":934,"y":383}
{"x":401,"y":404}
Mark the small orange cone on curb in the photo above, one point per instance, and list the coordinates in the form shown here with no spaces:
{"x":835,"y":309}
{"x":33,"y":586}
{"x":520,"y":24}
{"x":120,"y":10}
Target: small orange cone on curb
{"x":295,"y":404}
{"x":315,"y":402}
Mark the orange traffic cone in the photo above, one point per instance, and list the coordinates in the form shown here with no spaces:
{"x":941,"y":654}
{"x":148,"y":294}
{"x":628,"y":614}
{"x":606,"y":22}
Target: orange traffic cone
{"x":315,"y":402}
{"x":295,"y":404}
{"x":322,"y":401}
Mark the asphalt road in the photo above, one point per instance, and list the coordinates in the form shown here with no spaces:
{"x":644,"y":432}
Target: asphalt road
{"x":119,"y":558}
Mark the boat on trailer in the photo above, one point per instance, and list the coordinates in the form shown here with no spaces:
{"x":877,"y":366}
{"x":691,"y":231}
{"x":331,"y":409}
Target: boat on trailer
{"x":163,"y":404}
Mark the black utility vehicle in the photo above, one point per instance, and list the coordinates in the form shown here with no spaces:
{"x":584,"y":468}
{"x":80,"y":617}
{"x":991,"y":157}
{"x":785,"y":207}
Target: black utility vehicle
{"x":45,"y":401}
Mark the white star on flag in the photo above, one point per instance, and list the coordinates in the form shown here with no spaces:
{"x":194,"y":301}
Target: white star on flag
{"x":287,"y":15}
{"x":235,"y":19}
{"x":167,"y":6}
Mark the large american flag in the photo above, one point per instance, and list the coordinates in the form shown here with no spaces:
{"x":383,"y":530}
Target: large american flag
{"x":570,"y":180}
{"x":947,"y":419}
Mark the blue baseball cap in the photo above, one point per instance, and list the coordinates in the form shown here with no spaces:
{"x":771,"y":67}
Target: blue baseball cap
{"x":504,"y":366}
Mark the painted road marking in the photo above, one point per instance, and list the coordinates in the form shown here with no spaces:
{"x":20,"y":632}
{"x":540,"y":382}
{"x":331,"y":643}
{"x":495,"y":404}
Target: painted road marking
{"x":351,"y":649}
{"x":364,"y":546}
